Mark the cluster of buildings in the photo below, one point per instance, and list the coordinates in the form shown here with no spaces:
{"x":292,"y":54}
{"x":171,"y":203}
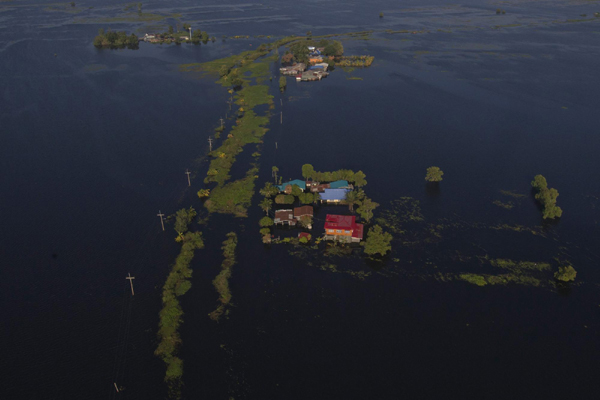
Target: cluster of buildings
{"x":334,"y":192}
{"x":316,"y":71}
{"x":337,"y":227}
{"x":159,"y":37}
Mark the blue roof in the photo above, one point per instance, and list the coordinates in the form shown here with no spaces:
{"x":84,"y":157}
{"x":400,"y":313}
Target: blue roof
{"x":297,"y":182}
{"x":338,"y":184}
{"x":334,"y":194}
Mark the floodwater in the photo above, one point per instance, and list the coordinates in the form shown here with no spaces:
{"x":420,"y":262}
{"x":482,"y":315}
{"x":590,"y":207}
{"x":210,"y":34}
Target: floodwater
{"x":96,"y":142}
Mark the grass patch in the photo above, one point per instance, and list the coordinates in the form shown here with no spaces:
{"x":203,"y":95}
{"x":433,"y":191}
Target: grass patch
{"x":221,"y":282}
{"x":506,"y":206}
{"x":519,"y":266}
{"x":177,"y":284}
{"x":478,"y":280}
{"x":234,"y":197}
{"x":512,"y":194}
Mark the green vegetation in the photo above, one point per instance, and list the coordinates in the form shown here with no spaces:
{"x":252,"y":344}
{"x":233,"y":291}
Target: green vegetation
{"x":202,"y":193}
{"x":265,"y":222}
{"x":434,"y":174}
{"x":358,"y":178}
{"x":378,"y":241}
{"x":234,"y":197}
{"x":183,"y":218}
{"x":355,"y":61}
{"x":519,"y":266}
{"x":177,"y":284}
{"x":282,"y":83}
{"x":116,"y":40}
{"x":474,"y":279}
{"x":221,"y":282}
{"x":284,"y":199}
{"x":546,"y":197}
{"x":380,"y":15}
{"x":506,"y":206}
{"x":565,"y":273}
{"x":365,"y":209}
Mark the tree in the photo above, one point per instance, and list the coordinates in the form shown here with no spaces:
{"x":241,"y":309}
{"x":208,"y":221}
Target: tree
{"x":434,"y":174}
{"x":280,"y":199}
{"x":183,"y":218}
{"x":306,"y":198}
{"x":359,"y":179}
{"x":269,"y":190}
{"x":274,"y":171}
{"x":307,"y":171}
{"x":265,"y":231}
{"x":234,"y":78}
{"x":282,"y":83}
{"x":565,"y":273}
{"x":351,"y":199}
{"x":380,"y":15}
{"x":266,"y":205}
{"x":186,"y":26}
{"x":203,"y":193}
{"x":170,"y":29}
{"x":378,"y":241}
{"x":306,"y":221}
{"x":296,"y":191}
{"x":265,"y":222}
{"x":366,"y":208}
{"x":547,"y":197}
{"x":539,"y":182}
{"x":309,"y":33}
{"x":223,"y":71}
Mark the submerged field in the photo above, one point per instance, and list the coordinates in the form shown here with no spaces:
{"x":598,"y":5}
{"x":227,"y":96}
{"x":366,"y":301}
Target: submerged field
{"x":98,"y":141}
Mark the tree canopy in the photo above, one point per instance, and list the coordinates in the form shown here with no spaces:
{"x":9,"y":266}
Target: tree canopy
{"x":183,"y":218}
{"x":434,"y":174}
{"x":546,"y":197}
{"x":366,"y":208}
{"x":378,"y":241}
{"x":265,"y":222}
{"x":565,"y":273}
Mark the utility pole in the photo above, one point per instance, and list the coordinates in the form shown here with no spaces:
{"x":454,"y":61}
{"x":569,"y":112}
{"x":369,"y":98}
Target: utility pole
{"x":116,"y":388}
{"x":161,"y":215}
{"x":281,"y":102}
{"x":210,"y":143}
{"x":188,"y":174}
{"x":275,"y":145}
{"x":221,"y":119}
{"x":281,"y":119}
{"x":131,"y":278}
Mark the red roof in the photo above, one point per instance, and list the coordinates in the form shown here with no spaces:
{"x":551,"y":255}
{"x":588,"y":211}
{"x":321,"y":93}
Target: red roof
{"x":304,"y":235}
{"x":357,"y":232}
{"x":340,"y":221}
{"x":345,"y":222}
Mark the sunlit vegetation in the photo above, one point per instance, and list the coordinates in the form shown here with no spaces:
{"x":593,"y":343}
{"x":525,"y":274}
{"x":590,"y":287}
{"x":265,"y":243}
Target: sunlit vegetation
{"x":434,"y":174}
{"x":221,"y":282}
{"x":355,"y":61}
{"x":565,"y":273}
{"x":282,"y":83}
{"x":546,"y":197}
{"x":378,"y":241}
{"x":509,"y":205}
{"x":233,"y":197}
{"x":116,"y":40}
{"x":177,"y":285}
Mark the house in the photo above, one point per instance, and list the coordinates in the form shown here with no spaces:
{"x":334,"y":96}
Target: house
{"x":342,"y":184}
{"x":343,"y":227}
{"x":315,"y":59}
{"x":304,"y":211}
{"x":287,"y":187}
{"x":334,"y":195}
{"x":292,"y":69}
{"x":284,"y":217}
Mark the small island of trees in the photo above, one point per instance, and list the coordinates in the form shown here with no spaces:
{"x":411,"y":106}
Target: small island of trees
{"x":546,"y":197}
{"x":116,"y":40}
{"x":434,"y":174}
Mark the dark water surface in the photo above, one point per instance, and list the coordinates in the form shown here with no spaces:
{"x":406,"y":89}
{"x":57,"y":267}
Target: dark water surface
{"x":96,"y":142}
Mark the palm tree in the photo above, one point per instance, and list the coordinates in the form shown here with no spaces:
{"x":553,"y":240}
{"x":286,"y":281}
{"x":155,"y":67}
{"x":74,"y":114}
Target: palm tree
{"x":266,"y":205}
{"x":351,"y":200}
{"x":274,"y":171}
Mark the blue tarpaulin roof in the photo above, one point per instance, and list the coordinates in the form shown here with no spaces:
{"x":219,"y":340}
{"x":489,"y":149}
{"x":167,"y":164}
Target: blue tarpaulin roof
{"x":338,"y":184}
{"x":297,"y":182}
{"x":334,"y":194}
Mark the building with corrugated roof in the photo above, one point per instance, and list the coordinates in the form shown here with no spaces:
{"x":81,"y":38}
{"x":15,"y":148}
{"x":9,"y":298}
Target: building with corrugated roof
{"x":334,"y":195}
{"x":343,"y":227}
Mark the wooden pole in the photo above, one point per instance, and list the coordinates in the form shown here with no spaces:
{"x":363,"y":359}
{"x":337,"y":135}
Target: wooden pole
{"x":116,"y":388}
{"x":210,"y":143}
{"x":161,"y":215}
{"x":188,"y":174}
{"x":131,"y":278}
